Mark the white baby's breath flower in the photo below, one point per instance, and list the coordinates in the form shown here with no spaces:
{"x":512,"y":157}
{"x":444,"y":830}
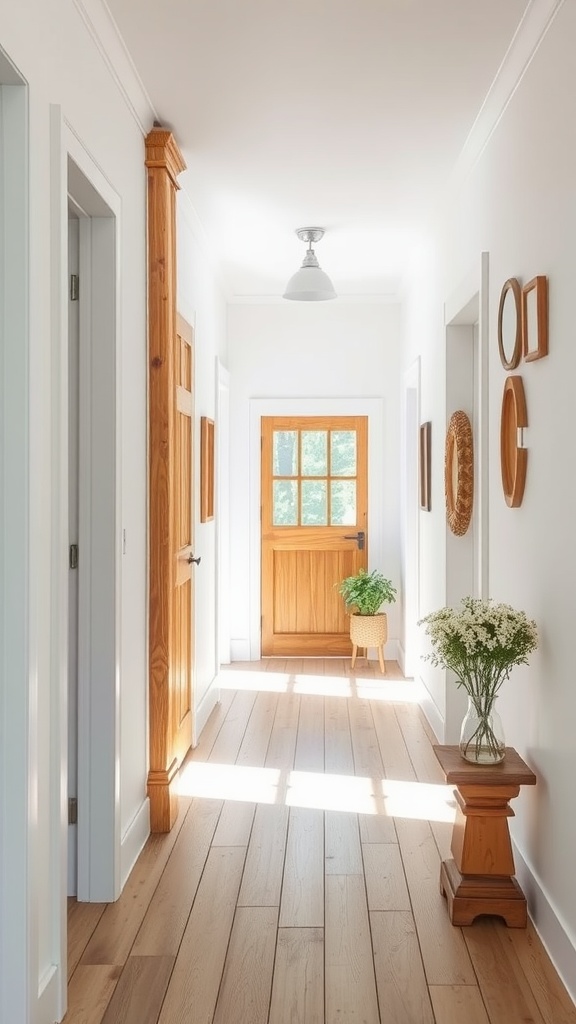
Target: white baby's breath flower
{"x":480,"y":643}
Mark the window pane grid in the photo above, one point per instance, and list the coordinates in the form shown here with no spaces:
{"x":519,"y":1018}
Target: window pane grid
{"x":331,"y":494}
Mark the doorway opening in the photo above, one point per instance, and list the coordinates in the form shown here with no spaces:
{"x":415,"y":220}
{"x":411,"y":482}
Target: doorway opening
{"x":93,"y":541}
{"x":382,"y":548}
{"x":314,"y":530}
{"x":467,"y":389}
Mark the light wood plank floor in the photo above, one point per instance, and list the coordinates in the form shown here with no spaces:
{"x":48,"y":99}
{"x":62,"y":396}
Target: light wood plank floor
{"x":300,"y":882}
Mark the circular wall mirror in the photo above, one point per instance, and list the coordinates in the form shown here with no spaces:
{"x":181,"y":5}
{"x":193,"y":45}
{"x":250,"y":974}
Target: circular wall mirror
{"x":510,"y":324}
{"x":459,"y":473}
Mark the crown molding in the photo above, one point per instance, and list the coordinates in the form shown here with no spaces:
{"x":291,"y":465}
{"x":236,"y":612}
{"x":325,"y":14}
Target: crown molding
{"x":532,"y":29}
{"x":112,"y":48}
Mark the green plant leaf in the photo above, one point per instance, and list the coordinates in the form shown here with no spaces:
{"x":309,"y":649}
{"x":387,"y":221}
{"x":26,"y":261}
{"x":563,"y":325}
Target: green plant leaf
{"x":367,"y":591}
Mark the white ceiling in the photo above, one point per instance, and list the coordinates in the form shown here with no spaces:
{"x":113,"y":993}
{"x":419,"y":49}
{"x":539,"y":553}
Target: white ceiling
{"x":347,"y":114}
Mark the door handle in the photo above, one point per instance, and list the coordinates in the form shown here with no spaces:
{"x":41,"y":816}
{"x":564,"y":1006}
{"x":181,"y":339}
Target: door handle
{"x":192,"y":559}
{"x":360,"y":537}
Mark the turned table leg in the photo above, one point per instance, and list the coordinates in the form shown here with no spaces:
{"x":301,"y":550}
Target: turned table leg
{"x":479,"y":878}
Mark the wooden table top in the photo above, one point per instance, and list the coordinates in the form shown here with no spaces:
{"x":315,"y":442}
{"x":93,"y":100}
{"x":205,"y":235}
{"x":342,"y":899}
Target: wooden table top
{"x":512,"y":771}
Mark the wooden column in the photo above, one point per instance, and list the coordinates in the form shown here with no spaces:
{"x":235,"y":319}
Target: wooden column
{"x":479,"y":880}
{"x":164,"y":162}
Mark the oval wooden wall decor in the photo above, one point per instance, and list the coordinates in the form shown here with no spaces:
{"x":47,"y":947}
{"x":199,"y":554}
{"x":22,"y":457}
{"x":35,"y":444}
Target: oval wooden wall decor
{"x":510,"y":324}
{"x":513,"y":459}
{"x":459,"y":473}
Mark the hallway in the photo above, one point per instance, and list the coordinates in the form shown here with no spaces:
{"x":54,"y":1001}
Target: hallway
{"x":300,"y":883}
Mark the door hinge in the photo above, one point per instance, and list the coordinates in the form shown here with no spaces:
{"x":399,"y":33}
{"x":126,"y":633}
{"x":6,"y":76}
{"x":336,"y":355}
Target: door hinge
{"x":73,"y":556}
{"x":74,"y":287}
{"x":72,"y":810}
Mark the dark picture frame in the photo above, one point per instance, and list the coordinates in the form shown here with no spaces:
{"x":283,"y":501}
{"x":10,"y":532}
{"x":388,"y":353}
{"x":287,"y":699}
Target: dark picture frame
{"x":425,"y":459}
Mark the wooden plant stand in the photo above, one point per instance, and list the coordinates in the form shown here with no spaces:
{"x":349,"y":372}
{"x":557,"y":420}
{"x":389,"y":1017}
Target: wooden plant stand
{"x":480,"y":877}
{"x":379,"y":648}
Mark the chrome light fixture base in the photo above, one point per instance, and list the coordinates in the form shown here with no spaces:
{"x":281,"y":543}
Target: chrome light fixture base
{"x":310,"y":234}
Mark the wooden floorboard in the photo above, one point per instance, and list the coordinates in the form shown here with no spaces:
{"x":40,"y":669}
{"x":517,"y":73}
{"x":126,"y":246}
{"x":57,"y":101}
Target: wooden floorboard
{"x":402,"y":990}
{"x":350,"y":979}
{"x":298,"y":984}
{"x":195,"y":982}
{"x":247,"y":980}
{"x":82,"y":920}
{"x":314,"y":897}
{"x":139,"y":994}
{"x":161,"y":930}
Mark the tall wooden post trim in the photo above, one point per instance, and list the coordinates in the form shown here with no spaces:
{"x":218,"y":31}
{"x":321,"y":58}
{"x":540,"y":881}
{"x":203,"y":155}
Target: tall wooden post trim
{"x":164,"y":162}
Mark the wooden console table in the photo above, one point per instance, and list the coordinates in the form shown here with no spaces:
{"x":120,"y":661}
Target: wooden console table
{"x":479,"y":880}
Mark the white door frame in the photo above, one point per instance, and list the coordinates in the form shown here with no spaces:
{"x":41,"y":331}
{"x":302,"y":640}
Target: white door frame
{"x":410,"y":520}
{"x":373,"y":408}
{"x":19,"y":974}
{"x":222,"y":515}
{"x":75,"y":173}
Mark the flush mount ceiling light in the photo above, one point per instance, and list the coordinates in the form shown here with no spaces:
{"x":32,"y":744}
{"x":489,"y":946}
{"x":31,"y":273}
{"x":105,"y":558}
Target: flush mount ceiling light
{"x":310,"y":284}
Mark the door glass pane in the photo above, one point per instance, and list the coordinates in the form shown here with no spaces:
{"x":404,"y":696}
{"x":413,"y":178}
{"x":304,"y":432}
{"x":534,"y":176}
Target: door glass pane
{"x":343,"y":453}
{"x":285,"y":494}
{"x":314,"y":453}
{"x":285,"y":453}
{"x":314,"y":510}
{"x":343,"y":503}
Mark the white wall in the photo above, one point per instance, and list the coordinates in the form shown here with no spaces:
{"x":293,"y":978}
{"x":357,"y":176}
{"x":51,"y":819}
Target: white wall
{"x":309,"y":350}
{"x":518,"y":204}
{"x":201,"y":303}
{"x":49,"y":42}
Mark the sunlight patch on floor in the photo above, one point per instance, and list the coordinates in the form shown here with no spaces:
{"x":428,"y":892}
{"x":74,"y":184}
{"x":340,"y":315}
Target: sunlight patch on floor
{"x":230,"y":782}
{"x":394,"y":690}
{"x":362,"y":795}
{"x":328,"y":792}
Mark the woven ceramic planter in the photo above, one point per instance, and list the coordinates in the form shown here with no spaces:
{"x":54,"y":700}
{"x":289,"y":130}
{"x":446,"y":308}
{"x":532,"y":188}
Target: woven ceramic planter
{"x":369,"y":630}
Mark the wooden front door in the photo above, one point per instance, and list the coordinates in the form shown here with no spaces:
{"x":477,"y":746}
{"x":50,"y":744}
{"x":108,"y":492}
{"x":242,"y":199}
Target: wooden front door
{"x":314,"y":498}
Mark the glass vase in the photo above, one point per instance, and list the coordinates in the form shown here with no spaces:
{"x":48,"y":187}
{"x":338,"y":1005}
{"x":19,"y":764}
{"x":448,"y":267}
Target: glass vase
{"x":482,"y":735}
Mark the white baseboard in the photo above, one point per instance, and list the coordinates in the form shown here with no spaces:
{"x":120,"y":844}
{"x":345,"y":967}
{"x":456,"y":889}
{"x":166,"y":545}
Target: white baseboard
{"x":554,"y":933}
{"x":204,"y":709}
{"x":133,"y":840}
{"x":240,"y":650}
{"x":432,"y":714}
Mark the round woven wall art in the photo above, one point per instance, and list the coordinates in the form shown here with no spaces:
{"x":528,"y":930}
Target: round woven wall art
{"x":459,"y":473}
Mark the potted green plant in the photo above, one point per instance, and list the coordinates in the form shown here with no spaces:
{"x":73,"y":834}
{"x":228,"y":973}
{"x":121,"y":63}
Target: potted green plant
{"x":364,"y":594}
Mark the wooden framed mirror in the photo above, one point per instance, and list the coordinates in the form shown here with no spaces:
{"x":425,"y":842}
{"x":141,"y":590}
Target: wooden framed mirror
{"x":459,"y":473}
{"x":535,"y":319}
{"x":510,"y":324}
{"x":513,"y":457}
